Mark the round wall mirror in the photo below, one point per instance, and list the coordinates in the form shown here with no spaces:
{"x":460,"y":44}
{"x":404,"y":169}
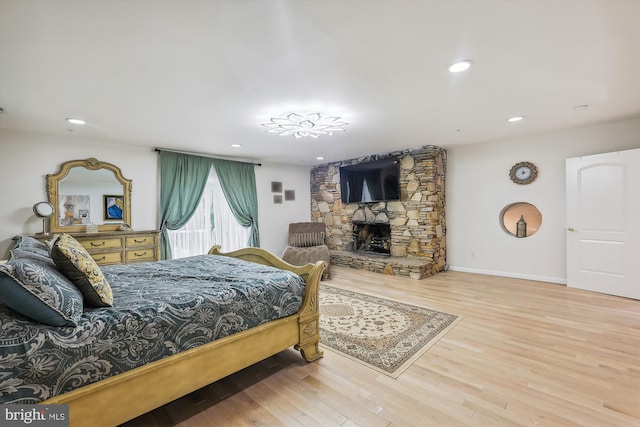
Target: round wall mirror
{"x":520,"y":219}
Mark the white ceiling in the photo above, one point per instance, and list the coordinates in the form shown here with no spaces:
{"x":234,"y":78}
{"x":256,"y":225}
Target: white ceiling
{"x":201,"y":75}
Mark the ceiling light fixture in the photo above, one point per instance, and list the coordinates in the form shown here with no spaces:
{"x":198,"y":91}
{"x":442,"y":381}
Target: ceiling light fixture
{"x":236,"y":145}
{"x":305,"y":124}
{"x":460,"y":66}
{"x":515,"y":119}
{"x":76,"y":121}
{"x":319,"y":158}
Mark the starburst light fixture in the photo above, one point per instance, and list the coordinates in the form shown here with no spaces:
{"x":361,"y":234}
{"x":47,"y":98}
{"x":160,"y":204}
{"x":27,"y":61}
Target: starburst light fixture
{"x":305,"y":124}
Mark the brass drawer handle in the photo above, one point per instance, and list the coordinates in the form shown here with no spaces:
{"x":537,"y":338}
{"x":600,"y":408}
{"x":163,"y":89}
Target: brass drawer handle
{"x":95,"y":245}
{"x":142,"y":254}
{"x":140,"y":241}
{"x":101,"y":259}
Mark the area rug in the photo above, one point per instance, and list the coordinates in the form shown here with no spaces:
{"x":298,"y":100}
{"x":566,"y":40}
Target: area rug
{"x":383,"y":334}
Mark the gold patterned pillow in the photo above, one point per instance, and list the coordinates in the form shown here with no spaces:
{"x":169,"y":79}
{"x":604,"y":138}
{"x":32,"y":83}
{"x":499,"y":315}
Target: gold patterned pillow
{"x":73,"y":260}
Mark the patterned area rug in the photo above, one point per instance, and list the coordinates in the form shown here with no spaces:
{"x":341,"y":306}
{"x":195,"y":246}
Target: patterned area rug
{"x":383,"y":334}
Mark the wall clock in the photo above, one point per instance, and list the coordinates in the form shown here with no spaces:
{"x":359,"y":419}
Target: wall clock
{"x":523,"y":173}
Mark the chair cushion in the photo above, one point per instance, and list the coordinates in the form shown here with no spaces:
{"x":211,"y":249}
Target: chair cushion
{"x":300,"y":256}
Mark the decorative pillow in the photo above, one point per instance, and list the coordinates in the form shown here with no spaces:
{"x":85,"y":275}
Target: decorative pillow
{"x":37,"y":256}
{"x":302,"y":240}
{"x":27,"y":243}
{"x":40,"y":293}
{"x":73,"y":260}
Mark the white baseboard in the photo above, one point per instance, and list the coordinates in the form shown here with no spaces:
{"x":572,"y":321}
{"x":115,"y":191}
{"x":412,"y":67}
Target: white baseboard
{"x":558,"y":280}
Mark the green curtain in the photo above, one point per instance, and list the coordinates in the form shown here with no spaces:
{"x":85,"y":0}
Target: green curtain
{"x":182,"y":181}
{"x":238,"y":182}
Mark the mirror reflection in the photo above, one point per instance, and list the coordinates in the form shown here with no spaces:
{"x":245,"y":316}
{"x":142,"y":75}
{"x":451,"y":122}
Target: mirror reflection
{"x":82,"y":196}
{"x":520,"y":219}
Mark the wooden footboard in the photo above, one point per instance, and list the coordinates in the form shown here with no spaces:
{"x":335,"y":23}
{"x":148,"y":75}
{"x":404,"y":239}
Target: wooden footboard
{"x":123,"y":397}
{"x":309,"y":314}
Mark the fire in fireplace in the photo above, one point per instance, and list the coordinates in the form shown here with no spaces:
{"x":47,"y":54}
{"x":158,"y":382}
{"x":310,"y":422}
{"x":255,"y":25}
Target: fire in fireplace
{"x":369,"y":237}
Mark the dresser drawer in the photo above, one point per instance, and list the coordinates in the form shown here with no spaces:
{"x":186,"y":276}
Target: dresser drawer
{"x":105,"y":243}
{"x":108,"y":258}
{"x":138,"y":255}
{"x":147,"y":240}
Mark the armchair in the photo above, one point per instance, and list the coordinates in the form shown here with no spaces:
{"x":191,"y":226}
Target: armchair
{"x":306,"y":244}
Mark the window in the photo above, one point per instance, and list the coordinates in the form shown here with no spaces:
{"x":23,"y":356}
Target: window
{"x":212,"y":223}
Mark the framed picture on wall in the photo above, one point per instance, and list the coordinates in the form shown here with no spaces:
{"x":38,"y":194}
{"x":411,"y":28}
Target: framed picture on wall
{"x":289,"y":194}
{"x":276,"y":187}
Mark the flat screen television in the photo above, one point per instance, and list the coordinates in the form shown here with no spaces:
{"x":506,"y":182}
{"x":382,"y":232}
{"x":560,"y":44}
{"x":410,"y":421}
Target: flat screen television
{"x":373,"y":181}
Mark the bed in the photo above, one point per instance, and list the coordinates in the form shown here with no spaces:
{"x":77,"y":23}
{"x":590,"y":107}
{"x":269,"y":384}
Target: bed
{"x":161,"y":338}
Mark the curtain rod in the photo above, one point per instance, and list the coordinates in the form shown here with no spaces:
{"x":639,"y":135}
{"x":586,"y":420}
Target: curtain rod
{"x":157,"y":149}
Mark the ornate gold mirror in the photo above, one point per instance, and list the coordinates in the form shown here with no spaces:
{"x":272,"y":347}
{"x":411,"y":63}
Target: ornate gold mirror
{"x":86,"y":192}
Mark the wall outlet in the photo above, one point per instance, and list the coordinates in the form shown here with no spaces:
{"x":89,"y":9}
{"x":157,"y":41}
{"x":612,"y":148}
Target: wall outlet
{"x":474,"y":254}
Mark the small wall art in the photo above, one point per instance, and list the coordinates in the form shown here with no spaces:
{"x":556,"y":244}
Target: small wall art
{"x":276,"y":187}
{"x":289,"y":194}
{"x":277,"y":199}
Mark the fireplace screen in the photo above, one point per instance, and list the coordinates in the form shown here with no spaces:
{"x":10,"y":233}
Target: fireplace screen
{"x":372,"y":238}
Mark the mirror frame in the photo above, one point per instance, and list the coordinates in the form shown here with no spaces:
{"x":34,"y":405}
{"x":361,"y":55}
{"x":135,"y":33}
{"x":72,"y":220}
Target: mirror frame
{"x":91,"y":163}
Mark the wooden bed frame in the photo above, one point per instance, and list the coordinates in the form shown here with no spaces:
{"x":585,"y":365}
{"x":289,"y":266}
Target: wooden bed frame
{"x":120,"y":398}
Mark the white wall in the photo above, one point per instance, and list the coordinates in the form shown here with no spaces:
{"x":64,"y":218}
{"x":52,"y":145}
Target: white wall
{"x":274,"y":218}
{"x":478,"y":188}
{"x":26,"y":159}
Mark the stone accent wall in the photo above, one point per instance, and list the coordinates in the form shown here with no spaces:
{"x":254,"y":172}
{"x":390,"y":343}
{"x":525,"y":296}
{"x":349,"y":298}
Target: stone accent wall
{"x":417,"y":220}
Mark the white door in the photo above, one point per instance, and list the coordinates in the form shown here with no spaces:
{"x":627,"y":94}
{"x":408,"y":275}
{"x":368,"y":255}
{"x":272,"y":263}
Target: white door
{"x":603,"y":223}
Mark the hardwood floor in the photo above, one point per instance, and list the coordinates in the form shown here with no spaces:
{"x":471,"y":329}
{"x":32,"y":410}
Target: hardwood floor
{"x":525,"y":354}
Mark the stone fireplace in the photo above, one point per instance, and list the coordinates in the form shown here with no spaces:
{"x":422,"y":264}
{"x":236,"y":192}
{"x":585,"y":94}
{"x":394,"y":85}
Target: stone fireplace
{"x":415,"y":223}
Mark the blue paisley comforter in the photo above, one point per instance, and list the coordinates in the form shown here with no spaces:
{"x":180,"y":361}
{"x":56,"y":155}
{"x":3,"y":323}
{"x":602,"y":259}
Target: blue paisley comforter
{"x":160,"y":309}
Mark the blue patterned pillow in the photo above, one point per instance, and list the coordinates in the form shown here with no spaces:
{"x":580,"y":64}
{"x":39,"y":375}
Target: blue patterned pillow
{"x":42,"y":258}
{"x":40,"y":292}
{"x":30,"y":244}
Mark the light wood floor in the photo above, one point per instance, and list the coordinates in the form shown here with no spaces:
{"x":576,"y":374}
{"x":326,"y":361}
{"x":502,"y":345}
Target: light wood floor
{"x":525,"y":354}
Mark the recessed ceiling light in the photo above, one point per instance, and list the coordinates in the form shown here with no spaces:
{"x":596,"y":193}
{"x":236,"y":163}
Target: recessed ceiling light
{"x":319,"y":158}
{"x":515,"y":119}
{"x":236,"y":145}
{"x":460,"y":66}
{"x":76,"y":121}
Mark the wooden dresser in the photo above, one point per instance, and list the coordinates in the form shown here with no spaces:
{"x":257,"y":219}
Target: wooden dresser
{"x":119,"y":247}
